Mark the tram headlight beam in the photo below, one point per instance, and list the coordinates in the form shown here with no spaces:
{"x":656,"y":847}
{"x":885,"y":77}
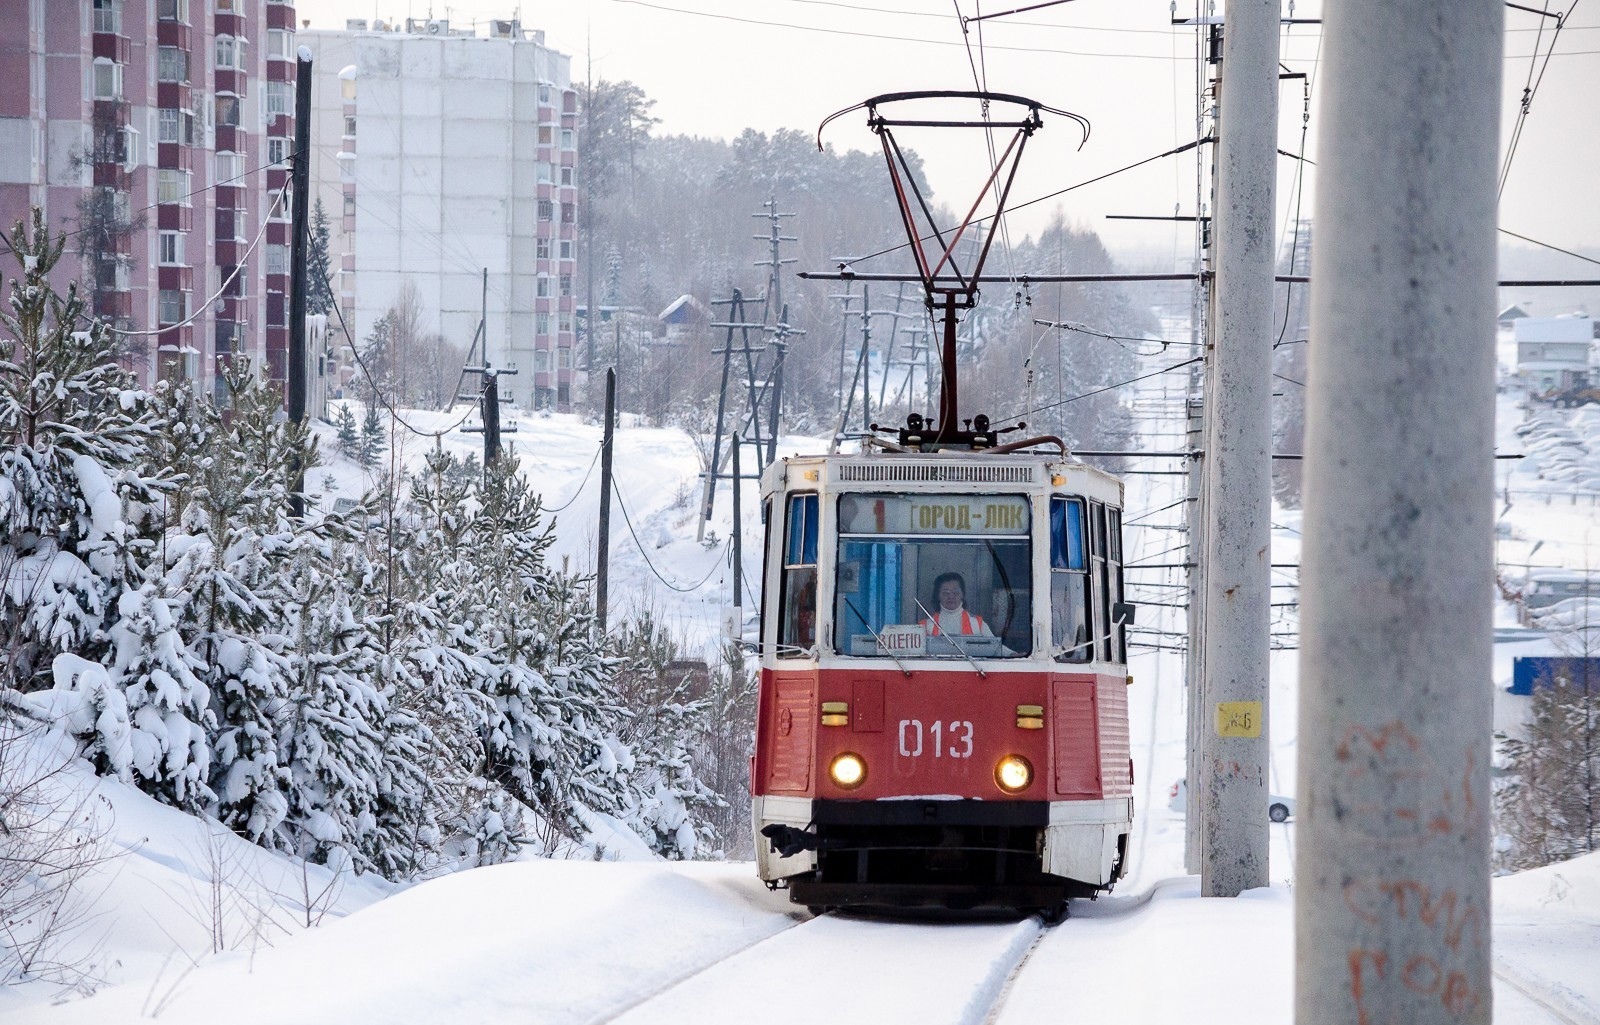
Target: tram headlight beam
{"x":1013,"y":774}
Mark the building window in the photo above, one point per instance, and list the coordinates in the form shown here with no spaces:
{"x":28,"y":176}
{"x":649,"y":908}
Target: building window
{"x":225,"y":222}
{"x":541,"y":248}
{"x":566,"y":249}
{"x":568,"y":138}
{"x":277,"y":150}
{"x":543,"y":287}
{"x":564,"y":359}
{"x":566,"y":174}
{"x":541,"y":324}
{"x":108,"y":16}
{"x":546,"y":135}
{"x":569,"y":213}
{"x":228,"y":109}
{"x":128,"y":137}
{"x":349,"y":206}
{"x":229,"y":52}
{"x":230,"y":168}
{"x":172,"y":64}
{"x":545,"y":209}
{"x":541,"y":361}
{"x":280,"y":97}
{"x":277,"y":259}
{"x":545,"y":168}
{"x":107,"y":79}
{"x":544,"y":94}
{"x":174,"y":306}
{"x":173,"y":10}
{"x":168,"y":124}
{"x":227,"y":6}
{"x":280,"y":43}
{"x":566,"y":284}
{"x":170,"y":248}
{"x":172,"y":186}
{"x":564,"y":322}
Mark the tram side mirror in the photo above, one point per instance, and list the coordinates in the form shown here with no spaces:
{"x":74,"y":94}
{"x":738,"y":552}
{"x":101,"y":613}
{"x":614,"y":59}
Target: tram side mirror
{"x":1122,"y":613}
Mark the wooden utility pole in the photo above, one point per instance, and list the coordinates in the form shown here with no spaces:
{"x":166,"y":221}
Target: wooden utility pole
{"x":300,"y":233}
{"x":1238,"y":463}
{"x":1392,"y":866}
{"x":602,"y":559}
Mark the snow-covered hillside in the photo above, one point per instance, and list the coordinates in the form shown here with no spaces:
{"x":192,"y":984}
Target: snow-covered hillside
{"x":193,"y":924}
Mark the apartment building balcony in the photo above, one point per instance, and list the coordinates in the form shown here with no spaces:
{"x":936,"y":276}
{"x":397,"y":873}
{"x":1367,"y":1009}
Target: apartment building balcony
{"x":113,"y":47}
{"x":174,"y":33}
{"x":113,"y":303}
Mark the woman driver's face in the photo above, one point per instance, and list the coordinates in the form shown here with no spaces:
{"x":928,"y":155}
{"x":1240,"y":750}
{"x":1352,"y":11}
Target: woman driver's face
{"x":950,"y":595}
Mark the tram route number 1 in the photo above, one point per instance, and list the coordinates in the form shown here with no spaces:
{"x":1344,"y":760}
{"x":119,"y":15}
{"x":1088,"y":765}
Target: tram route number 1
{"x":957,"y":732}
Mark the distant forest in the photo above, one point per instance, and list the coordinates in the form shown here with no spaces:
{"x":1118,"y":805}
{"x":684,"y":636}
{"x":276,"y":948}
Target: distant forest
{"x":674,"y":215}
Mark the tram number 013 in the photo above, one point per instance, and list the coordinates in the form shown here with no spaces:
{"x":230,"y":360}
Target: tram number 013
{"x":951,"y":739}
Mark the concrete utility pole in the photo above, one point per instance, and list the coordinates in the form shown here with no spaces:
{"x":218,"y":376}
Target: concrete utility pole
{"x":1238,"y":464}
{"x":299,"y":247}
{"x":1392,"y":874}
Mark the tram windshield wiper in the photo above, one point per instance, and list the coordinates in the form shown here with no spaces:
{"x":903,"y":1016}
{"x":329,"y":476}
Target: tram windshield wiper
{"x":951,"y":638}
{"x":881,"y":646}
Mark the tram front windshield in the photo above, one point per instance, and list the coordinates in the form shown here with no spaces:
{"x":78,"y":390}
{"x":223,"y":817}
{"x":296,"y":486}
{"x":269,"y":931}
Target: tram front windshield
{"x":933,"y":576}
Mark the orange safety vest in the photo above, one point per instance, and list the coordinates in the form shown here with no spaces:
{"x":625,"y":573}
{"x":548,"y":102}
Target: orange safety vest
{"x":967,"y":619}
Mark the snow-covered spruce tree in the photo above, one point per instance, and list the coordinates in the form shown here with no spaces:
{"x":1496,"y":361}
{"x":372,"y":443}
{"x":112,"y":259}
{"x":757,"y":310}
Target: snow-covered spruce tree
{"x":430,"y":671}
{"x":73,"y":509}
{"x":1548,"y":801}
{"x":223,"y":559}
{"x":669,"y":802}
{"x":556,"y":737}
{"x":330,"y":739}
{"x":168,"y":705}
{"x":724,"y":748}
{"x":371,"y":447}
{"x":349,"y":437}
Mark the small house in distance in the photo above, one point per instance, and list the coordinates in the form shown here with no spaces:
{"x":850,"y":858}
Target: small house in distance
{"x":1554,"y":353}
{"x":1510,"y":315}
{"x":686,"y":317}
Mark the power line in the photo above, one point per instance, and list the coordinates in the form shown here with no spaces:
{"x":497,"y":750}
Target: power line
{"x":1097,"y":391}
{"x":645,"y":555}
{"x":223,"y":288}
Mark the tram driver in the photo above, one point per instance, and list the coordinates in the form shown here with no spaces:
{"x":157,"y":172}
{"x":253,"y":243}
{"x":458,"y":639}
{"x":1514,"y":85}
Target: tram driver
{"x":952,"y":617}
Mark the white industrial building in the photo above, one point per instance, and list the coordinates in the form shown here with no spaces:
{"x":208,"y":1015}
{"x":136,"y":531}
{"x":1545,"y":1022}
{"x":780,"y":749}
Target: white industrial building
{"x":439,"y":154}
{"x":1555,"y":353}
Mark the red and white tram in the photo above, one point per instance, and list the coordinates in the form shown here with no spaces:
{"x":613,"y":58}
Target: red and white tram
{"x":943,"y":714}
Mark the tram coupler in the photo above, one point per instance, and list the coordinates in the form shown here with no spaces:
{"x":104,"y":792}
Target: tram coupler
{"x":788,"y":841}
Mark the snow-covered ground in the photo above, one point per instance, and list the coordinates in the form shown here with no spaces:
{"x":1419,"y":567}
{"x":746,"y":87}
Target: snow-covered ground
{"x":197,"y":926}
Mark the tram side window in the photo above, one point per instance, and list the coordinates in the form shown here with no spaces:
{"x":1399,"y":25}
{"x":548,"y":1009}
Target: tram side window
{"x":1070,"y":633}
{"x":797,"y":633}
{"x":1119,"y":633}
{"x":1102,"y":578}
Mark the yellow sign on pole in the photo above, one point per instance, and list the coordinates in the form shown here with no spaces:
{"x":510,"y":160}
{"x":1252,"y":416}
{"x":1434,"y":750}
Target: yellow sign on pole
{"x":1239,"y":719}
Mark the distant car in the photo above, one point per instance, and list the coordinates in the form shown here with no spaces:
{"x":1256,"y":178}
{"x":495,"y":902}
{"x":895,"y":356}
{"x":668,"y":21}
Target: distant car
{"x":1582,"y":612}
{"x":1279,"y":808}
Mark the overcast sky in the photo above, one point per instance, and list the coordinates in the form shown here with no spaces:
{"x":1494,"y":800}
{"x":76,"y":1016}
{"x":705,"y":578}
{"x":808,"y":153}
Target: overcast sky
{"x":715,"y":67}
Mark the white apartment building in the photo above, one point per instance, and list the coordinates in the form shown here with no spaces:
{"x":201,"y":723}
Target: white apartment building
{"x":439,"y":154}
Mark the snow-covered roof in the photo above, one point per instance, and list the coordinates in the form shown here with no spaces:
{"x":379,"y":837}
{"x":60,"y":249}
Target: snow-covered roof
{"x":684,"y":309}
{"x":1512,"y":312}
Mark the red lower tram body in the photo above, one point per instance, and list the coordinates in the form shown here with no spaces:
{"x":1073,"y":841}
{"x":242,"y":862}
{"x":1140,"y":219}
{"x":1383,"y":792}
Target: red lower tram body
{"x":1011,"y":789}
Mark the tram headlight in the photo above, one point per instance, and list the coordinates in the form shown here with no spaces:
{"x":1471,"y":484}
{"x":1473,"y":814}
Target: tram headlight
{"x":1013,"y":774}
{"x":848,"y":771}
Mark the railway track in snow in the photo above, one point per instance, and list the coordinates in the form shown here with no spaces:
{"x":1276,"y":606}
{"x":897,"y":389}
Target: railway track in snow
{"x":848,"y":969}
